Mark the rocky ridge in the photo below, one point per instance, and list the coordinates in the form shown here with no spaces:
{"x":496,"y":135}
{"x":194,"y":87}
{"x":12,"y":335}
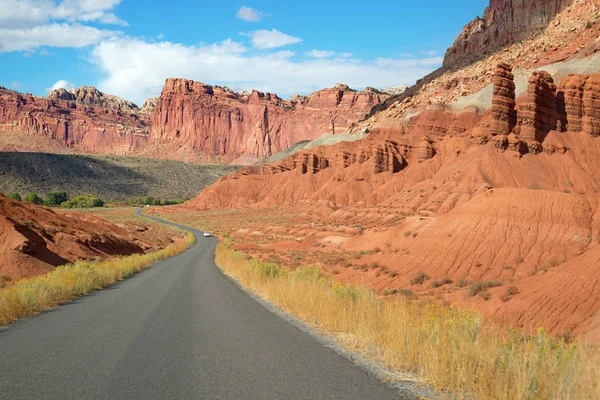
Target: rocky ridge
{"x":71,"y":124}
{"x":504,"y":22}
{"x":571,"y":34}
{"x":218,"y":121}
{"x":191,"y":121}
{"x":93,"y":97}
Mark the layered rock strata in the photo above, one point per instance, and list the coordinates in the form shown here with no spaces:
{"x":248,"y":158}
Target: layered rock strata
{"x":504,"y":22}
{"x":503,"y":112}
{"x":219,"y":121}
{"x":537,"y":115}
{"x":72,"y":124}
{"x":93,"y":97}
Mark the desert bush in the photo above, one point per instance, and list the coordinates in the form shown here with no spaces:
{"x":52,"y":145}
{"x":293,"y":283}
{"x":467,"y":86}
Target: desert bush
{"x":83,"y":201}
{"x":480,"y":286}
{"x":14,"y":196}
{"x":419,"y":278}
{"x":55,"y":198}
{"x":34,"y":199}
{"x":462,"y":282}
{"x":510,"y":291}
{"x":4,"y":279}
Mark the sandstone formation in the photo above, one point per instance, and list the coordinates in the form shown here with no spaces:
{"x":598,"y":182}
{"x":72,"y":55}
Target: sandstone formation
{"x":537,"y":115}
{"x":91,"y":96}
{"x":579,"y":103}
{"x":149,"y":106}
{"x":503,"y":111}
{"x":71,"y":124}
{"x":218,"y":121}
{"x":504,"y":22}
{"x":191,"y":121}
{"x":591,"y":106}
{"x":436,"y":200}
{"x":395,"y":91}
{"x":34,"y":240}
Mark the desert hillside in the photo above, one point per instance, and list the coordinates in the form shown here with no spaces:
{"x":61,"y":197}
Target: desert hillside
{"x":34,"y":240}
{"x":482,"y":180}
{"x":110,"y":177}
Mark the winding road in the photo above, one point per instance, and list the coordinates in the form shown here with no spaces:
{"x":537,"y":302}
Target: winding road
{"x":178,"y":330}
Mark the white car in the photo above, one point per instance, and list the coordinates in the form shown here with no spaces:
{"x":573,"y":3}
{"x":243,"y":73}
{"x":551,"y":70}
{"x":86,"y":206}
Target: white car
{"x":207,"y":234}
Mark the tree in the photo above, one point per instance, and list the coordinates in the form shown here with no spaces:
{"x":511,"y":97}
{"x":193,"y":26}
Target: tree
{"x":34,"y":199}
{"x":14,"y":196}
{"x":56,"y":198}
{"x":83,"y":201}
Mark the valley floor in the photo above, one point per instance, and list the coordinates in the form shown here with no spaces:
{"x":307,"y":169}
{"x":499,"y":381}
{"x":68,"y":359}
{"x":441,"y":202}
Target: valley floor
{"x":380,"y":248}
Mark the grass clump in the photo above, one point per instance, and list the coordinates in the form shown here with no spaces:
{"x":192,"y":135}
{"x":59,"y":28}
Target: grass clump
{"x":450,"y":348}
{"x":419,"y":278}
{"x":480,"y":286}
{"x":510,"y":291}
{"x":4,"y":280}
{"x":34,"y":295}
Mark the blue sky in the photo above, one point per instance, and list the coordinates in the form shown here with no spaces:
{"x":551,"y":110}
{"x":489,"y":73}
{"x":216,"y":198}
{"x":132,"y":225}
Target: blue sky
{"x":129,"y":47}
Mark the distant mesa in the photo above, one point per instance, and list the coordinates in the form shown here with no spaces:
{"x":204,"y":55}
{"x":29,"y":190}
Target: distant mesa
{"x":91,"y":96}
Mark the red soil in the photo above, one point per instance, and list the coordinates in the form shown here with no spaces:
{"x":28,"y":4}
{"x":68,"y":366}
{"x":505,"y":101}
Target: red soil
{"x":34,"y":240}
{"x":446,"y":196}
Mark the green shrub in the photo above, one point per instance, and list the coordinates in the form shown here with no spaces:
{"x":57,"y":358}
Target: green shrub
{"x":83,"y":201}
{"x":14,"y":196}
{"x":56,"y":198}
{"x":34,"y":199}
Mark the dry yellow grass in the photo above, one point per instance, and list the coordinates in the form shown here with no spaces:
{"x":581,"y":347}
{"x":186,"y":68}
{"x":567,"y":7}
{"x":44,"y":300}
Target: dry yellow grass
{"x":31,"y":296}
{"x":449,"y":348}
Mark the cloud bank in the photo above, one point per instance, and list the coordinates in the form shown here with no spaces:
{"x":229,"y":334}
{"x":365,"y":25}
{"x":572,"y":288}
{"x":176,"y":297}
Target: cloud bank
{"x":26,"y":25}
{"x":136,"y":69}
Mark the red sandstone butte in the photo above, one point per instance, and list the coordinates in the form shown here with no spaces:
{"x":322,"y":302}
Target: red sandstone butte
{"x":73,"y":125}
{"x":219,"y":121}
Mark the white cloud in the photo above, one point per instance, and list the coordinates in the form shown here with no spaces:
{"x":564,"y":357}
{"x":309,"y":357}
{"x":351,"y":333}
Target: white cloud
{"x":429,"y":53}
{"x":405,"y":55}
{"x":250,"y":14}
{"x":265,"y":39}
{"x":136,"y":69}
{"x":28,"y":24}
{"x":345,"y":55}
{"x":53,"y":35}
{"x":319,"y":53}
{"x":44,"y":52}
{"x":283,"y":54}
{"x":15,"y":85}
{"x":61,"y":84}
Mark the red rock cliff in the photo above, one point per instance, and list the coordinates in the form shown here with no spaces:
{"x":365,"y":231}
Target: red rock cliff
{"x":77,"y":126}
{"x":504,"y":22}
{"x":221,"y":122}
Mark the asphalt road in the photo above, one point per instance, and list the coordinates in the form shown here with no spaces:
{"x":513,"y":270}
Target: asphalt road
{"x":178,"y":330}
